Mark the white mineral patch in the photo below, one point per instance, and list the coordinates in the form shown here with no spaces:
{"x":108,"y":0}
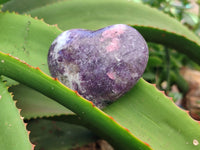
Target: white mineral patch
{"x":60,"y":42}
{"x":73,"y":76}
{"x":117,"y":58}
{"x":135,"y":75}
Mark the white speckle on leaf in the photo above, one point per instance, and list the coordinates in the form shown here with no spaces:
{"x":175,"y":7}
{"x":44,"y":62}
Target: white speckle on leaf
{"x":2,"y":61}
{"x":195,"y":142}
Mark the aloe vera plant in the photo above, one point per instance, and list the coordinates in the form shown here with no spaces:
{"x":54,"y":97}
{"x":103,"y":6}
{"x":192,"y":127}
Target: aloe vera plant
{"x":144,"y":118}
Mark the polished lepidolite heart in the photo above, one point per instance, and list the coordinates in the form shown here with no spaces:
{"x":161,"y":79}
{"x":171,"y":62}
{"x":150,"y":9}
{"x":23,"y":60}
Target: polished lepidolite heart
{"x":100,"y":65}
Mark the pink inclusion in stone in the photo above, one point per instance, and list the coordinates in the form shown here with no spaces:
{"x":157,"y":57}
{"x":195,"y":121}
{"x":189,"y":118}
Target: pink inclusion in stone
{"x":111,"y":75}
{"x":113,"y":34}
{"x":114,"y":45}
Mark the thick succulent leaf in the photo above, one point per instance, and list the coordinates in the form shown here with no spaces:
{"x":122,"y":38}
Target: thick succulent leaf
{"x":12,"y":128}
{"x":154,"y":25}
{"x":16,"y":5}
{"x":26,"y":38}
{"x":54,"y":135}
{"x":155,"y":118}
{"x":3,"y":1}
{"x":104,"y":125}
{"x":181,"y":43}
{"x":152,"y":117}
{"x":30,"y":44}
{"x":34,"y":104}
{"x":191,"y":124}
{"x":144,"y":111}
{"x":39,"y":39}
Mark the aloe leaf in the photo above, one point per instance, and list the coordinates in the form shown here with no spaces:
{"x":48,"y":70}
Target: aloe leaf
{"x":118,"y":110}
{"x":155,"y":118}
{"x":3,"y":1}
{"x":16,"y":5}
{"x":179,"y":42}
{"x":34,"y":104}
{"x":12,"y":128}
{"x":30,"y":42}
{"x":144,"y":111}
{"x":54,"y":135}
{"x":154,"y":25}
{"x":27,"y":38}
{"x":102,"y":124}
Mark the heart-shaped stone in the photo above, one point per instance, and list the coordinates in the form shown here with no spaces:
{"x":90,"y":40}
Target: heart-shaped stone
{"x":100,"y":65}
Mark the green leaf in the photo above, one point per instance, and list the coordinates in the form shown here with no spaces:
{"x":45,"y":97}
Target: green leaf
{"x":181,"y":43}
{"x":98,"y":121}
{"x":27,"y":38}
{"x":3,"y":1}
{"x":16,"y":5}
{"x":155,"y":118}
{"x":192,"y":126}
{"x":12,"y":128}
{"x":154,"y":25}
{"x":94,"y":14}
{"x":150,"y":115}
{"x":34,"y":104}
{"x":154,"y":61}
{"x":144,"y":111}
{"x":54,"y":135}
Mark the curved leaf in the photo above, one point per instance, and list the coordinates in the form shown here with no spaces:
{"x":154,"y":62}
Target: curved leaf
{"x":21,"y":6}
{"x":12,"y":128}
{"x":179,"y":42}
{"x":100,"y":123}
{"x":154,"y":25}
{"x":3,"y":1}
{"x":53,"y":135}
{"x":34,"y":104}
{"x":144,"y":111}
{"x":155,"y":118}
{"x":169,"y":125}
{"x":27,"y":38}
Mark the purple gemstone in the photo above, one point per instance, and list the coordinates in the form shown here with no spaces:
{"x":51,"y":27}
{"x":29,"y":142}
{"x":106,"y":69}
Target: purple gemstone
{"x":101,"y":65}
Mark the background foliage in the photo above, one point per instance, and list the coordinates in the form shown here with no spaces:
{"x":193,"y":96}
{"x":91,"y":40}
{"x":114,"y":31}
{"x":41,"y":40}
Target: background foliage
{"x":146,"y":113}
